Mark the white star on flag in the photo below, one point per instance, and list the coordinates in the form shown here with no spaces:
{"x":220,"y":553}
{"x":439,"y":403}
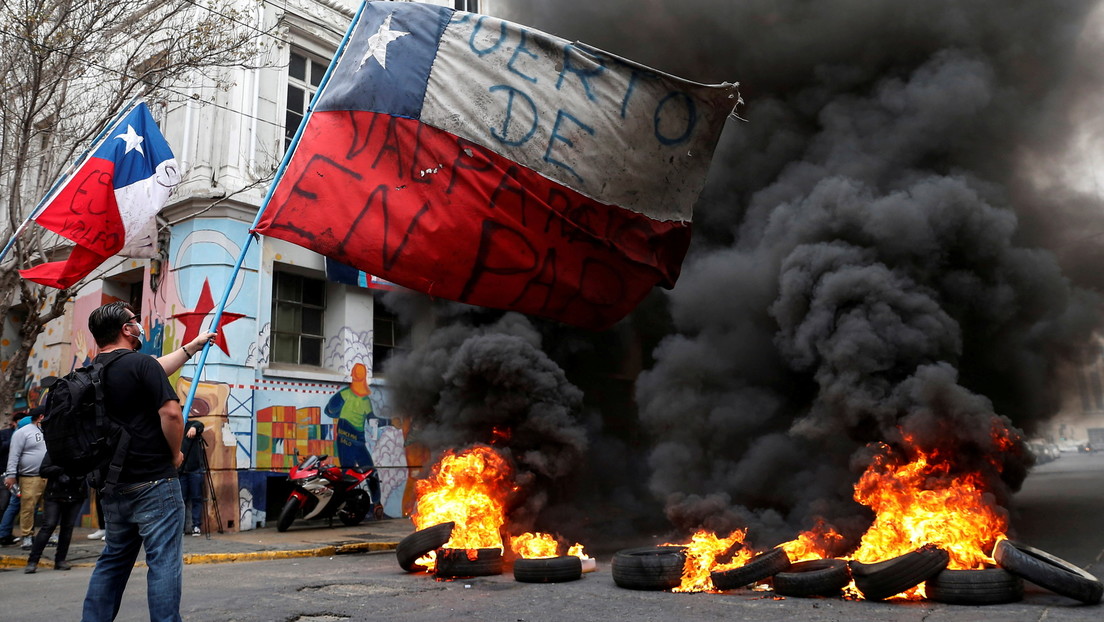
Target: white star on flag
{"x":132,"y":140}
{"x":377,"y":43}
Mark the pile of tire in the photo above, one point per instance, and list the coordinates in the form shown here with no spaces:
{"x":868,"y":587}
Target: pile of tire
{"x":1005,"y":583}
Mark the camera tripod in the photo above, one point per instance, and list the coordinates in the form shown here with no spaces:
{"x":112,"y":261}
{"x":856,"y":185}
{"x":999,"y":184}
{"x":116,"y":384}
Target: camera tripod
{"x":211,"y":496}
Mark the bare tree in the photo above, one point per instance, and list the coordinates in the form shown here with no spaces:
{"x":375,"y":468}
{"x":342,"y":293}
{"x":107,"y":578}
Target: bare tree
{"x":66,"y":68}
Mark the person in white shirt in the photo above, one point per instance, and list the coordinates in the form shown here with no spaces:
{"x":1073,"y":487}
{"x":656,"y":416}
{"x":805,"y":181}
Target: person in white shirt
{"x":28,"y":448}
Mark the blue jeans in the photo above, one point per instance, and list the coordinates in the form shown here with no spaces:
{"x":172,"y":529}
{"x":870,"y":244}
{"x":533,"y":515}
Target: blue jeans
{"x":10,"y":513}
{"x":191,"y":484}
{"x":150,"y":514}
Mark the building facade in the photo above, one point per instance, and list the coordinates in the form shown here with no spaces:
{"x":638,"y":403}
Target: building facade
{"x":296,"y":367}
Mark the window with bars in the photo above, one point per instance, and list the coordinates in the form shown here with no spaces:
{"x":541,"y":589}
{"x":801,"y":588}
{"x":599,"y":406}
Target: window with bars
{"x":471,"y":6}
{"x":304,"y":75}
{"x":387,"y":335}
{"x":298,"y":309}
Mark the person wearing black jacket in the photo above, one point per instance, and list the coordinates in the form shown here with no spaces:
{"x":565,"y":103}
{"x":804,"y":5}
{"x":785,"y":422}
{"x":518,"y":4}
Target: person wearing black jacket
{"x":192,"y":471}
{"x":64,"y":496}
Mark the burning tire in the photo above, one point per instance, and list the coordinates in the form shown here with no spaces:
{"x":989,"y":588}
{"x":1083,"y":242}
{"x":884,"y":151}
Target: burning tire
{"x":454,"y":563}
{"x":421,"y":542}
{"x":548,"y":570}
{"x":893,"y":576}
{"x":992,"y":586}
{"x":1048,"y":571}
{"x":758,"y":568}
{"x":818,"y":577}
{"x":649,"y":567}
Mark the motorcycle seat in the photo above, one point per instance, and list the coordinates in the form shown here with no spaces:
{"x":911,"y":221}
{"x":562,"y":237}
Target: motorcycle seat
{"x":349,"y":480}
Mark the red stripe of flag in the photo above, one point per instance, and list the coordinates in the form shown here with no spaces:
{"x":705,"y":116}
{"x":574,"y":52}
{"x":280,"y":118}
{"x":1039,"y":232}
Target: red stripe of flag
{"x":433,"y":212}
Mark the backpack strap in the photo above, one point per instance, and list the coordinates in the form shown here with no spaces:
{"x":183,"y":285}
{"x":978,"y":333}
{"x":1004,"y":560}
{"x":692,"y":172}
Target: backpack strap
{"x":115,"y":467}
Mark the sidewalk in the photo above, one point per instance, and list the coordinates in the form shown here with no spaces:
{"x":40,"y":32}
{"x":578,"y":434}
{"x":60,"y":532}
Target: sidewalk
{"x":303,"y":539}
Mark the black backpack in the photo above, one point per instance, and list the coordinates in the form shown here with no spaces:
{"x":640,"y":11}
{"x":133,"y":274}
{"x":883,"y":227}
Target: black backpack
{"x":80,"y":436}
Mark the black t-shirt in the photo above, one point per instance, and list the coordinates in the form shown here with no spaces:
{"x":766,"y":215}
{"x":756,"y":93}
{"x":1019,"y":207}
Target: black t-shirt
{"x":135,"y":388}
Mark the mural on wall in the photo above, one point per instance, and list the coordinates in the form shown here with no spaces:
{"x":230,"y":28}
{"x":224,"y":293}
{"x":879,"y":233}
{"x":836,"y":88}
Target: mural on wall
{"x":350,"y":432}
{"x":210,"y":409}
{"x":195,"y":319}
{"x":364,"y":438}
{"x":349,"y":348}
{"x":257,"y":356}
{"x":284,"y":430}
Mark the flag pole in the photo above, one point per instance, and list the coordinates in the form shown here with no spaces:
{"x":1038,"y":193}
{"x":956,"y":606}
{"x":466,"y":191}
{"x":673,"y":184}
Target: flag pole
{"x":264,"y":205}
{"x":96,"y":142}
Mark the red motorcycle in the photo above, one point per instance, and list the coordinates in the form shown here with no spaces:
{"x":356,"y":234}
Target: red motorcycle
{"x":322,"y":490}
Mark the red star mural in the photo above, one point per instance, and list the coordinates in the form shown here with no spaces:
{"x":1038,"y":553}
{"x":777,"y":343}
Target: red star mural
{"x":193,"y":320}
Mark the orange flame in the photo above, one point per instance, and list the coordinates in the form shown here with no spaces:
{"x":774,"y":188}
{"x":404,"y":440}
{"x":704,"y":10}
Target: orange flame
{"x":470,"y":489}
{"x":706,"y":553}
{"x":921,"y":502}
{"x":816,"y":543}
{"x":542,"y":545}
{"x":534,"y":545}
{"x":576,"y":550}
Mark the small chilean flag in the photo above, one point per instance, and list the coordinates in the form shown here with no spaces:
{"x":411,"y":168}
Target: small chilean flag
{"x":107,"y":206}
{"x":481,"y":161}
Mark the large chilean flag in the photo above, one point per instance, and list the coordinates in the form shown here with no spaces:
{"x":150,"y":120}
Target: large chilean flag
{"x":485,"y":162}
{"x":108,"y":205}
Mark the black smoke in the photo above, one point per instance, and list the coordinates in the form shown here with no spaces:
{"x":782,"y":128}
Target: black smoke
{"x":492,"y":384}
{"x":879,"y":252}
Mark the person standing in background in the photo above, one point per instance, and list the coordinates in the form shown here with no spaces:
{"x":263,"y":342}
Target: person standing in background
{"x":191,"y":475}
{"x":64,"y":497}
{"x":28,"y":448}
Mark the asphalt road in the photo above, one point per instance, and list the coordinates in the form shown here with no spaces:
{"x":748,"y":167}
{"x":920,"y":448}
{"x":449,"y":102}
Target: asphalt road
{"x":1059,"y":511}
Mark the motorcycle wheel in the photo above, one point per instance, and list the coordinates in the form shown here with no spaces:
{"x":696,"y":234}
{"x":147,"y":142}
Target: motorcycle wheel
{"x":288,"y":514}
{"x":351,"y":518}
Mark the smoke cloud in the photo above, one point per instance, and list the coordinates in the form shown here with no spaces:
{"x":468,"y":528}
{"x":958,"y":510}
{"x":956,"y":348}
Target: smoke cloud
{"x":494,"y":385}
{"x":882,"y":251}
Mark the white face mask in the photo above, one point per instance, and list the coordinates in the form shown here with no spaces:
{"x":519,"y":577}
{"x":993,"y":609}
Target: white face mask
{"x":141,"y":336}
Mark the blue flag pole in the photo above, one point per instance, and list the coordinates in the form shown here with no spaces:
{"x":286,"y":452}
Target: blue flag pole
{"x":264,"y":205}
{"x":45,"y":200}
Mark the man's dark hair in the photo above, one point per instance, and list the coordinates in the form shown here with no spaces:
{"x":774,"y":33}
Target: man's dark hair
{"x":104,"y":323}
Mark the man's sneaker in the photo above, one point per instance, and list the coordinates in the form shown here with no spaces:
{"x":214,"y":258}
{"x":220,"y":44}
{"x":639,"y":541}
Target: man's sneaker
{"x":8,"y":540}
{"x":97,"y":535}
{"x":53,"y":540}
{"x":27,"y":542}
{"x":62,"y":565}
{"x":31,"y":568}
{"x":195,"y":531}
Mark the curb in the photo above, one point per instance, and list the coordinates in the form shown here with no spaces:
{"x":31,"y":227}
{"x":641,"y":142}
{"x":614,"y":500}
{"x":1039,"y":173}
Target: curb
{"x":324,"y":551}
{"x":13,"y":561}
